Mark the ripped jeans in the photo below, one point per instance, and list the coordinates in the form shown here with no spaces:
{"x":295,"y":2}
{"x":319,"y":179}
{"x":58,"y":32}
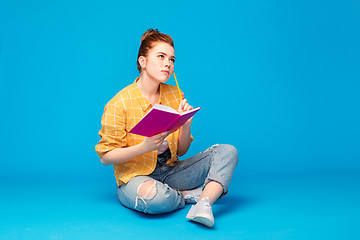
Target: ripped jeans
{"x":217,"y":163}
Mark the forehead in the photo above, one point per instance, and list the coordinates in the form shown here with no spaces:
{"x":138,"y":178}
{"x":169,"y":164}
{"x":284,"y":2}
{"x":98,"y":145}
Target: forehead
{"x":163,"y":47}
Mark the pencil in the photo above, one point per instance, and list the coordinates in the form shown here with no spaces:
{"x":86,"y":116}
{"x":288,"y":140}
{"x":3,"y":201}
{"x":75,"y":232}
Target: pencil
{"x":177,"y":84}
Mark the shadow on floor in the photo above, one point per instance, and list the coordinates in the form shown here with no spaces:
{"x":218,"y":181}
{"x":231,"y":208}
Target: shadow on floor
{"x":230,"y":204}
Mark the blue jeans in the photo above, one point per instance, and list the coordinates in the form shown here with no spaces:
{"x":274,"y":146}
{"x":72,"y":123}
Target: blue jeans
{"x":217,"y":163}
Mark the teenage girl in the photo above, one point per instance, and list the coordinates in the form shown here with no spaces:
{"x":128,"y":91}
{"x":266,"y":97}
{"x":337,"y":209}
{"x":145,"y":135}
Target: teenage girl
{"x":149,"y":175}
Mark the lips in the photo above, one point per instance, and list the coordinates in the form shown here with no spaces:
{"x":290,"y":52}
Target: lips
{"x":165,"y":71}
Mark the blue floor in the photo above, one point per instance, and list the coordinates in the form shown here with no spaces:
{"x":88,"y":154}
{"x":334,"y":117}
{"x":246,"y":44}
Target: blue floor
{"x":308,"y":206}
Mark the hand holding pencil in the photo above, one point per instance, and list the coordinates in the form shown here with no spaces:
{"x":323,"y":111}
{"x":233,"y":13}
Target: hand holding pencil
{"x":184,"y":106}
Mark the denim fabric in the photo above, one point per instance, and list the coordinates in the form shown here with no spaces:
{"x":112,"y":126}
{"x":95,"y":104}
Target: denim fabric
{"x":217,"y":163}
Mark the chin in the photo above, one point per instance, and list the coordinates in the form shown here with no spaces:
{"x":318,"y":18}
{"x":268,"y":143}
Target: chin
{"x":164,"y":80}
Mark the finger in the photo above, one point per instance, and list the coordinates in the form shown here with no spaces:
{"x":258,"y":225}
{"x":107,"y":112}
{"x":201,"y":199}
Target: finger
{"x":187,"y":107}
{"x":183,"y":103}
{"x":157,"y":137}
{"x":162,"y":136}
{"x":183,"y":95}
{"x":160,"y":142}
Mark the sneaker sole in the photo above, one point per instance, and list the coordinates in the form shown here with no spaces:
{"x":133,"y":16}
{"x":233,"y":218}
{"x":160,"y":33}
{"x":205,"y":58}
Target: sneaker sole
{"x":203,"y":220}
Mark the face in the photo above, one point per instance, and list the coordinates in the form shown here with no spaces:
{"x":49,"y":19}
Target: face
{"x":159,"y":63}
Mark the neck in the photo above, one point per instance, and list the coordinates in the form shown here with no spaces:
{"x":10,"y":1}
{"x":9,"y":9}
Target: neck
{"x":149,"y":88}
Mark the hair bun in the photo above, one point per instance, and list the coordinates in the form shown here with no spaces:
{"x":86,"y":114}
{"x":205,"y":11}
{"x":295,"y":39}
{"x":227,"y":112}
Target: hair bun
{"x":148,"y":33}
{"x":149,"y":39}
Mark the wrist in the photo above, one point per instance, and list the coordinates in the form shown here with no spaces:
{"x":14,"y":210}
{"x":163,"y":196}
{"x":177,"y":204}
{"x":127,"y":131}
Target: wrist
{"x":187,"y":124}
{"x":185,"y":130}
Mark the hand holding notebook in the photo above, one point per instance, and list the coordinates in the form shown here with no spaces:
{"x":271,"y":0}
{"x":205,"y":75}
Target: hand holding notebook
{"x":160,"y":119}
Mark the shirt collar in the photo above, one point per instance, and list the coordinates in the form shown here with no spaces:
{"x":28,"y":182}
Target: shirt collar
{"x":144,"y":103}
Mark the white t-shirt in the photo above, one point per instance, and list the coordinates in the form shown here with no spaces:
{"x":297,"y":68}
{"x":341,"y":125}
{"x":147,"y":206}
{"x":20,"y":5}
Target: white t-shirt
{"x":163,"y":147}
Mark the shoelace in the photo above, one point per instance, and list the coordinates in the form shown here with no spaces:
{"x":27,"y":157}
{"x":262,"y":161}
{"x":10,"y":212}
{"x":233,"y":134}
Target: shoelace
{"x":206,"y":202}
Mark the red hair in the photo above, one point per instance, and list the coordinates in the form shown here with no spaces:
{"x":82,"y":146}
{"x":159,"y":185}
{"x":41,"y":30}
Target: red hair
{"x":148,"y":41}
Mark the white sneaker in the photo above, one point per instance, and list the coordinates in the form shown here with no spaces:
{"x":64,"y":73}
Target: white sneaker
{"x":202,"y":213}
{"x":192,"y":196}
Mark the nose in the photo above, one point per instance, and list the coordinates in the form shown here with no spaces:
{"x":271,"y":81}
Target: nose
{"x":167,"y":63}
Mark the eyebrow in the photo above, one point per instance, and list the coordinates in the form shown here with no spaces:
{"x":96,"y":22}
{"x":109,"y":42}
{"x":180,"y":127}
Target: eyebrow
{"x":165,"y":54}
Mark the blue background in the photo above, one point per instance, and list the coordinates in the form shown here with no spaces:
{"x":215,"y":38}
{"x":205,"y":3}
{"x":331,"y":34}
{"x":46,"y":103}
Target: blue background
{"x":277,"y":79}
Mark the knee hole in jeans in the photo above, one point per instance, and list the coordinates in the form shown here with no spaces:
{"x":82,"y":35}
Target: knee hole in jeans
{"x":147,"y":190}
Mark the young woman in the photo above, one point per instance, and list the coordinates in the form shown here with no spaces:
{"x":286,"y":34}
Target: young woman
{"x":149,"y":175}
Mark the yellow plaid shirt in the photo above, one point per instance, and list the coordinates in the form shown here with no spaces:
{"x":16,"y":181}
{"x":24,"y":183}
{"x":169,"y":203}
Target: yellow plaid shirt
{"x":120,"y":115}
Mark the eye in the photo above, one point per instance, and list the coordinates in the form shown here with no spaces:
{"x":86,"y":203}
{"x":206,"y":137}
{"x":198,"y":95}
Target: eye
{"x":161,"y":56}
{"x":172,"y":59}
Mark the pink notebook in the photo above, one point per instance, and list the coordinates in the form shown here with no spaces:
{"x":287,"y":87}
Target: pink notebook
{"x":160,"y":119}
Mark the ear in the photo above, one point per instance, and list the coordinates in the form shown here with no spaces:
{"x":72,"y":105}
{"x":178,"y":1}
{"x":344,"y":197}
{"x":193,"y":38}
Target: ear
{"x":142,"y":62}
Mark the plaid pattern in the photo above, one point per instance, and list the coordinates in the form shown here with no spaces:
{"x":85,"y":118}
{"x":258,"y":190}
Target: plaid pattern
{"x":120,"y":115}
